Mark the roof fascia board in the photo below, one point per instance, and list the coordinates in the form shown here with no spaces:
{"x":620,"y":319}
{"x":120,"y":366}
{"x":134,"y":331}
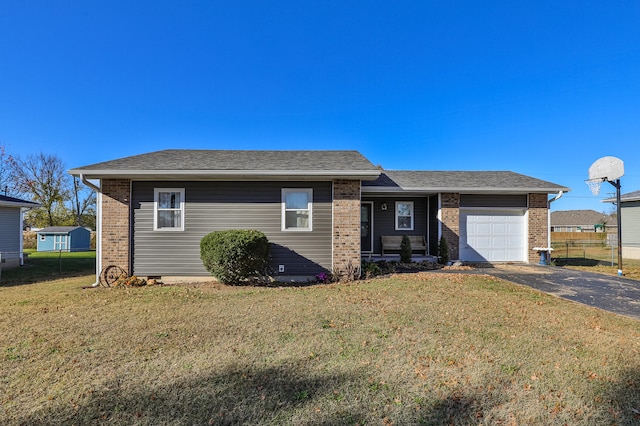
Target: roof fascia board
{"x":227,"y":174}
{"x":478,"y":190}
{"x":18,"y":204}
{"x":622,"y":200}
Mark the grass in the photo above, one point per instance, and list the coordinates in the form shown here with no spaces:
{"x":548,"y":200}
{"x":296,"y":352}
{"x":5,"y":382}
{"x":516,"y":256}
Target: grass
{"x":50,"y":265}
{"x":423,"y":348}
{"x":595,"y":259}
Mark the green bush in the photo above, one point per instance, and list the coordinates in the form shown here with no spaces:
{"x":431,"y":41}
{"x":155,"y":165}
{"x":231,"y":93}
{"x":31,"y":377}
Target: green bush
{"x":405,"y":249}
{"x":370,"y":269}
{"x":443,"y":251}
{"x":233,"y":256}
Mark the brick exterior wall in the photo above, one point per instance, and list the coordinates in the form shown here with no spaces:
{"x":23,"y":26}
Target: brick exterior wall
{"x":538,"y":224}
{"x":450,"y":218}
{"x":346,"y":228}
{"x":115,"y":223}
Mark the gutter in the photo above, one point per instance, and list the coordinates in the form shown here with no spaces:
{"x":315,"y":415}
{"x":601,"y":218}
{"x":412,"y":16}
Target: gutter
{"x":89,"y":184}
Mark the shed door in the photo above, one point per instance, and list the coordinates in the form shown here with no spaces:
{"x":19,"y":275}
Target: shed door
{"x":492,"y":235}
{"x":60,"y":242}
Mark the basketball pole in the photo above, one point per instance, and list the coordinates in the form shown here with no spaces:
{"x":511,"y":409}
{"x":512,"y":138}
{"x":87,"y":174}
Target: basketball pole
{"x":616,"y":183}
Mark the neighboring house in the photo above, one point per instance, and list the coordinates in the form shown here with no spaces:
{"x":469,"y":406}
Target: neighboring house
{"x":63,"y":238}
{"x":321,"y":210}
{"x":630,"y":223}
{"x":11,"y":220}
{"x":583,"y":221}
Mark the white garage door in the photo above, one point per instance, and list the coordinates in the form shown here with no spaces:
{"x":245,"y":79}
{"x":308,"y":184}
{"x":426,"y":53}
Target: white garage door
{"x":492,"y":235}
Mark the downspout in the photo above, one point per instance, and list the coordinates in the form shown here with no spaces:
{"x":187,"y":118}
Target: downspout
{"x":89,"y":184}
{"x":21,"y":239}
{"x":98,"y":228}
{"x":556,"y":198}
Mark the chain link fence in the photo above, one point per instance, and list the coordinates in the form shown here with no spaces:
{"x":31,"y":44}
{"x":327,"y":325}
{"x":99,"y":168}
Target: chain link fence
{"x":603,"y":250}
{"x":28,"y":266}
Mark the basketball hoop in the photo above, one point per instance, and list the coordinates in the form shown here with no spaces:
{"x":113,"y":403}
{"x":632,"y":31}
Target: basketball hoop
{"x":609,"y":169}
{"x":594,"y":185}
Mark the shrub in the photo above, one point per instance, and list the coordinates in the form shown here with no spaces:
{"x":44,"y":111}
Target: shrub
{"x":405,"y":249}
{"x":233,"y":256}
{"x":443,"y":251}
{"x":370,"y":269}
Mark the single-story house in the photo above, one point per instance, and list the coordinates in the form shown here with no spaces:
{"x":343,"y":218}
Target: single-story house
{"x":11,"y":222}
{"x":630,"y":223}
{"x":63,"y":238}
{"x":321,"y":210}
{"x":583,"y":221}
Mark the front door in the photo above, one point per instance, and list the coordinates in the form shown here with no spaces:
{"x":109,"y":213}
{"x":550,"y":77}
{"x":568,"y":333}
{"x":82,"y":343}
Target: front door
{"x":366,"y":227}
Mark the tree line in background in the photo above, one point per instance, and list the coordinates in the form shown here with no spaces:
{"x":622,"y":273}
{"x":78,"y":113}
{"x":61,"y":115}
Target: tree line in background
{"x":42,"y":178}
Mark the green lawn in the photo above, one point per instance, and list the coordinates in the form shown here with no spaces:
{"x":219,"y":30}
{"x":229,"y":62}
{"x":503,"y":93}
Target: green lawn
{"x":41,"y":266}
{"x":424,"y":348}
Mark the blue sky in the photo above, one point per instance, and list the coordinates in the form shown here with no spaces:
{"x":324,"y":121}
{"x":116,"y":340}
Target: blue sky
{"x":541,"y":88}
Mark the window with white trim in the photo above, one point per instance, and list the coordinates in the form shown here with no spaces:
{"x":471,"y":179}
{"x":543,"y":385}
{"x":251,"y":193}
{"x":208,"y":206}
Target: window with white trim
{"x":297,"y":209}
{"x":404,"y":215}
{"x":168,"y":206}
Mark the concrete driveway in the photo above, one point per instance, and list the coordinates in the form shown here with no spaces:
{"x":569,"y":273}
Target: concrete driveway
{"x":614,"y":294}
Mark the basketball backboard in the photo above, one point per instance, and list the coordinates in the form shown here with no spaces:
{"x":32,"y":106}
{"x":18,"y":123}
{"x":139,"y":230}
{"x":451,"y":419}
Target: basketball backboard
{"x":606,"y":168}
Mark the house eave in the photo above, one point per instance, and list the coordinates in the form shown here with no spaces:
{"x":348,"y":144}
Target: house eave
{"x":465,"y":190}
{"x":622,"y":200}
{"x":18,"y":204}
{"x":226,"y":175}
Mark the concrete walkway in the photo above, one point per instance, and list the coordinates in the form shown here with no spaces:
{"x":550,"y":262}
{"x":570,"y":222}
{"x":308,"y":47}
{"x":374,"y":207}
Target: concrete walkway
{"x":615,"y":294}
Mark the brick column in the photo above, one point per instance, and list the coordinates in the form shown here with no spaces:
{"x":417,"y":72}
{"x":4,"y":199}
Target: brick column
{"x":450,"y":219}
{"x":115,"y":223}
{"x":346,"y":228}
{"x":538,"y":224}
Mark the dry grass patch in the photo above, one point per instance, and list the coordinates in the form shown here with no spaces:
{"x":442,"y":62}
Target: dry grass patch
{"x":425,"y":348}
{"x":600,"y":259}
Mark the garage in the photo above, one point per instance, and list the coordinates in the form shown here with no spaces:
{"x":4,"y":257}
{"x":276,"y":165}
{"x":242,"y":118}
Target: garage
{"x":492,"y":235}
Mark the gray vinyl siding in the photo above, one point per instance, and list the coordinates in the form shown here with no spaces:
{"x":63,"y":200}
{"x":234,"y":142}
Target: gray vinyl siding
{"x":10,"y":230}
{"x":433,"y":226}
{"x":493,"y":200}
{"x":630,"y":213}
{"x":384,"y":220}
{"x":211,"y":206}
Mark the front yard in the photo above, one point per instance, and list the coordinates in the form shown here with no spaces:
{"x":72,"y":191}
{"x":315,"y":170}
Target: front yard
{"x":423,"y":348}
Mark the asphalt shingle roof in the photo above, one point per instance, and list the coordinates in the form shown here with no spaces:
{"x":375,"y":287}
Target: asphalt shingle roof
{"x":221,"y":164}
{"x":629,"y":196}
{"x":581,"y":218}
{"x":180,"y":160}
{"x":459,"y":181}
{"x":11,"y":201}
{"x":57,"y":229}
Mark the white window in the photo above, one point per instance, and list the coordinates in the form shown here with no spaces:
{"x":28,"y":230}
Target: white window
{"x":404,"y":215}
{"x":43,"y":237}
{"x":297,"y":207}
{"x":168,"y":209}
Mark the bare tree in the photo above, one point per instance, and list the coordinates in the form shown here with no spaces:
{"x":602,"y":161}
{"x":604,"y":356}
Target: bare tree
{"x":43,"y":178}
{"x":84,"y":204}
{"x":7,"y":181}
